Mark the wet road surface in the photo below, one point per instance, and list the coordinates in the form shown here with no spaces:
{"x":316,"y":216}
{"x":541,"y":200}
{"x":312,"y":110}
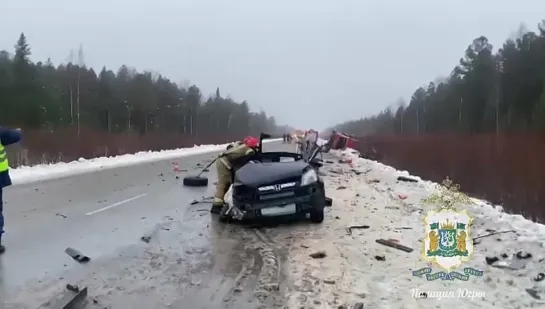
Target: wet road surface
{"x":191,"y":261}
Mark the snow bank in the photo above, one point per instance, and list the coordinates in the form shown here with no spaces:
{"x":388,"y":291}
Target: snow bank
{"x":25,"y":174}
{"x":353,"y":270}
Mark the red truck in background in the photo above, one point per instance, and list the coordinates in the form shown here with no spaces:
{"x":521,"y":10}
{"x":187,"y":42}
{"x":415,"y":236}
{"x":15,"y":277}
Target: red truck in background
{"x":340,"y":141}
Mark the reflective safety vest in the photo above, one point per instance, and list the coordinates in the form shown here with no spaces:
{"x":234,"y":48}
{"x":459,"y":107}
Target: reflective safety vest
{"x":4,"y":165}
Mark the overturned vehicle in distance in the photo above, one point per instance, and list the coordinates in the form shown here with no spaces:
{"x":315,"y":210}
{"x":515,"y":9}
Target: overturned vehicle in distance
{"x":340,"y":141}
{"x":277,"y":184}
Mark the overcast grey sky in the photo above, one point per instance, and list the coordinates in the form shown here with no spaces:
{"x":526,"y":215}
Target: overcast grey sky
{"x":309,"y":63}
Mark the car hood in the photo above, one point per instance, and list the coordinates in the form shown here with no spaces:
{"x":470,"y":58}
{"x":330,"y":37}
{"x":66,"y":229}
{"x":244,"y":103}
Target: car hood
{"x":262,"y":174}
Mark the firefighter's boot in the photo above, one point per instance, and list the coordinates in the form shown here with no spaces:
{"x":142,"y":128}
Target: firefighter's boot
{"x":217,"y":206}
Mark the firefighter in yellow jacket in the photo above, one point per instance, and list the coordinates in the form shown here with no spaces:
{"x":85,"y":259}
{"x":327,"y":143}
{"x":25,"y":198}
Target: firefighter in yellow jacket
{"x":227,"y":164}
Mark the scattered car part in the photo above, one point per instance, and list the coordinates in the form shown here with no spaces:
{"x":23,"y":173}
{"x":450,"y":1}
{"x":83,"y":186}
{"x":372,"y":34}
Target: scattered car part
{"x":77,"y":256}
{"x":204,"y":200}
{"x":523,"y":255}
{"x":407,"y":179}
{"x":491,"y":260}
{"x":533,"y":293}
{"x":318,"y":255}
{"x":198,"y":181}
{"x":394,"y":245}
{"x":350,"y":228}
{"x":73,"y":288}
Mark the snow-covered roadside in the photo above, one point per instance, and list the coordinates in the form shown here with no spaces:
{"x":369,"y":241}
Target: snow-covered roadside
{"x":25,"y":174}
{"x":352,"y":272}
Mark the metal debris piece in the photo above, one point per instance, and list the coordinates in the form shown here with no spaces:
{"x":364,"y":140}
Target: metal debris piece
{"x":523,"y":255}
{"x":349,"y":229}
{"x":491,"y":260}
{"x":77,"y":256}
{"x":407,"y":179}
{"x":394,"y":245}
{"x":204,"y":200}
{"x":72,"y":288}
{"x":533,"y":293}
{"x":318,"y":255}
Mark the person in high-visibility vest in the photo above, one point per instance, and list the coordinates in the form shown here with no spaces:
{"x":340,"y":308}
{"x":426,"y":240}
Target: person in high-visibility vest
{"x":227,"y":163}
{"x":7,"y":137}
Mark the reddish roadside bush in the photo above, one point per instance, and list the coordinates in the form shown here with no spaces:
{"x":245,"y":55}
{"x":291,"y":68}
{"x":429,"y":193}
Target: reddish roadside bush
{"x":505,"y":169}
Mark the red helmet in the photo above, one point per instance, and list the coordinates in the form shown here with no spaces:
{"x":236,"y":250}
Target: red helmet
{"x":251,"y":142}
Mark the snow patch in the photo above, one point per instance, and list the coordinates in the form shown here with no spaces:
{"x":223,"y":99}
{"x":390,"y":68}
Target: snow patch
{"x":353,"y":270}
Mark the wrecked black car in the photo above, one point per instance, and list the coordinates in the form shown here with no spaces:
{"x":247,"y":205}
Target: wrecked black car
{"x":277,"y":184}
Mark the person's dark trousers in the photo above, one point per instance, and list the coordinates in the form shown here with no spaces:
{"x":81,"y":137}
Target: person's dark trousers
{"x":2,"y":248}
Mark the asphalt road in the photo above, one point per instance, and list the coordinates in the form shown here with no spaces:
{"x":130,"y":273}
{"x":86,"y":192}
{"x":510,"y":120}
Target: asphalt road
{"x":191,"y":259}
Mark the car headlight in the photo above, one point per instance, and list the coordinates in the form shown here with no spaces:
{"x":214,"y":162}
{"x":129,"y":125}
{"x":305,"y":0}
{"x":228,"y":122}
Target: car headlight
{"x":309,"y":177}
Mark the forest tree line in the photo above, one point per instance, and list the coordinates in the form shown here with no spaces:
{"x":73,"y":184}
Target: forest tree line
{"x":42,"y":96}
{"x":486,"y":92}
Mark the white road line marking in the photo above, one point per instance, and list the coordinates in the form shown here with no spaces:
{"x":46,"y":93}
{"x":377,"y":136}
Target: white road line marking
{"x":116,"y":204}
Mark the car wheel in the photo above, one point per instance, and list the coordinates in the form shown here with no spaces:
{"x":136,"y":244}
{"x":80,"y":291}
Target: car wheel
{"x":317,"y":215}
{"x":318,"y":205}
{"x":195,"y":181}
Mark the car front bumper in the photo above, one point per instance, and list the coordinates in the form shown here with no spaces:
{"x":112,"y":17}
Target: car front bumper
{"x":304,"y":198}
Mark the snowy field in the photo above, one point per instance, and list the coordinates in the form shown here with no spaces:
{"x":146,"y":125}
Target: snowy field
{"x":25,"y":174}
{"x":357,"y":269}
